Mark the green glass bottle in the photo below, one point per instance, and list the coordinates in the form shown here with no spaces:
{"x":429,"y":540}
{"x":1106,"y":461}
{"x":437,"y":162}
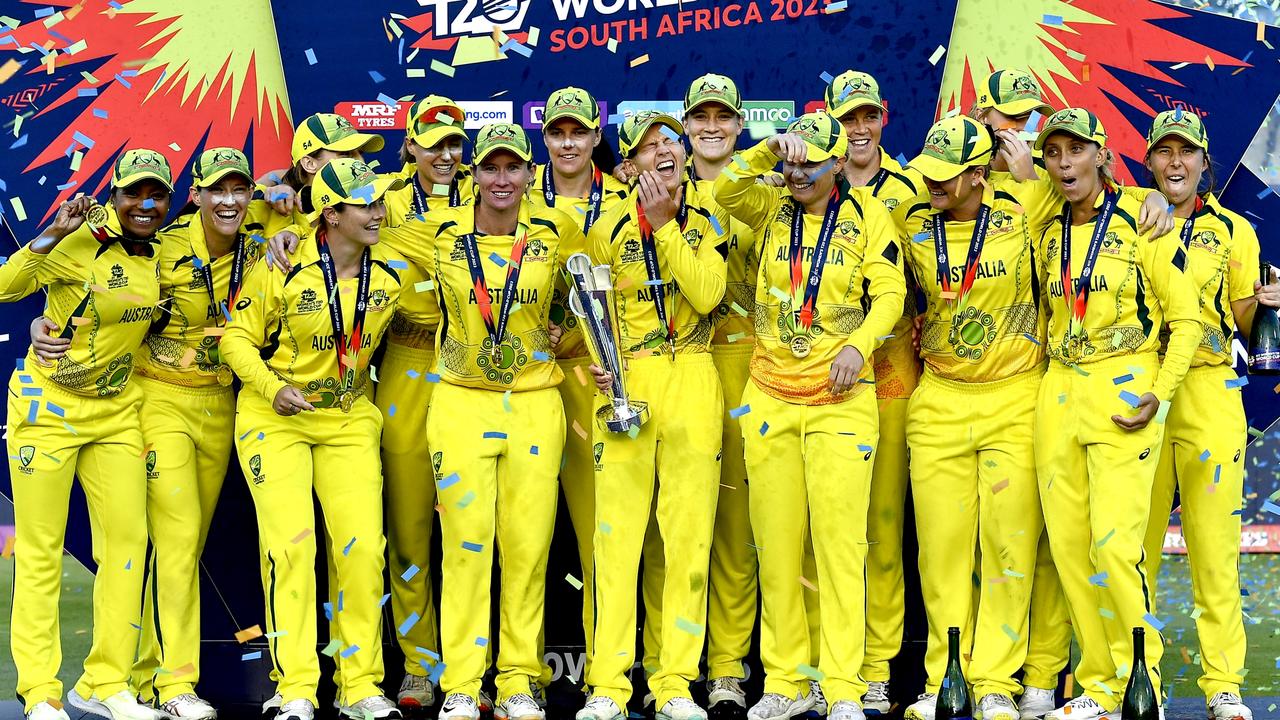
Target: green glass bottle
{"x":1140,"y":702}
{"x":954,"y":702}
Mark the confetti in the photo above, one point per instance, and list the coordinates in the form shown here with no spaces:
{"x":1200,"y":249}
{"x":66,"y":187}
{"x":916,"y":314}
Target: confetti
{"x":1237,"y":382}
{"x":1100,"y":579}
{"x":408,"y":574}
{"x":1052,"y":20}
{"x":446,"y":482}
{"x":1122,"y":379}
{"x":688,"y":626}
{"x":256,"y":655}
{"x":640,"y":60}
{"x":473,"y":547}
{"x":443,"y":69}
{"x":1153,"y":621}
{"x":739,"y":411}
{"x":244,"y":636}
{"x":347,"y":550}
{"x":575,"y":582}
{"x":408,"y":623}
{"x":306,"y":532}
{"x":810,"y":672}
{"x":1129,"y":398}
{"x":764,"y":428}
{"x":937,"y":55}
{"x":350,"y":651}
{"x":494,"y":435}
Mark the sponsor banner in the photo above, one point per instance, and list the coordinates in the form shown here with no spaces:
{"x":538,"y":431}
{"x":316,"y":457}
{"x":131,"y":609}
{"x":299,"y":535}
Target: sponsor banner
{"x":1253,"y":539}
{"x":531,"y":115}
{"x":374,"y":115}
{"x":778,"y":113}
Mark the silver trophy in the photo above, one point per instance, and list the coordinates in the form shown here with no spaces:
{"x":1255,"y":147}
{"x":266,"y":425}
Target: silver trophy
{"x":591,"y":299}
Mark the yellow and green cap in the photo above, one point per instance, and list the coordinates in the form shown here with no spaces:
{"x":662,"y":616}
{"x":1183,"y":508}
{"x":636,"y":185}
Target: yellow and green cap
{"x":851,"y":90}
{"x":712,"y":88}
{"x":326,"y":131}
{"x":822,"y":134}
{"x":575,"y":104}
{"x":434,"y":118}
{"x":634,"y":128}
{"x":134,"y":166}
{"x":1185,"y":125}
{"x":1073,"y":121}
{"x":216,"y":163}
{"x":502,"y":136}
{"x":1013,"y":92}
{"x":350,"y":181}
{"x":953,"y":145}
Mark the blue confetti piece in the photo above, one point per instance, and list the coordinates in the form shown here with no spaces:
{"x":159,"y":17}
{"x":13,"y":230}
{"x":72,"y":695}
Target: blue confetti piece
{"x":533,"y":449}
{"x":449,"y":481}
{"x":1100,"y":579}
{"x":739,"y":411}
{"x":44,"y":12}
{"x":473,"y":547}
{"x":482,"y":642}
{"x":383,"y":601}
{"x":1271,"y":507}
{"x":407,"y":575}
{"x":496,"y":259}
{"x":83,"y":139}
{"x":87,"y":92}
{"x":1052,"y":20}
{"x":1130,"y":399}
{"x":715,"y":225}
{"x":398,"y":264}
{"x":764,"y":428}
{"x":616,"y":119}
{"x":391,"y":411}
{"x":902,"y":159}
{"x":1122,"y":379}
{"x":541,"y":356}
{"x":311,"y":56}
{"x":1031,"y":337}
{"x":1153,"y":621}
{"x":387,"y":100}
{"x":347,"y":550}
{"x":257,"y":655}
{"x":341,"y":604}
{"x":1217,"y":473}
{"x":1264,"y":193}
{"x":19,"y":142}
{"x":408,"y":623}
{"x":1177,"y":114}
{"x":350,"y":651}
{"x":100,"y":113}
{"x":55,"y":409}
{"x":429,"y":653}
{"x":33,"y":411}
{"x":68,"y":185}
{"x":148,"y":204}
{"x":1237,"y":382}
{"x":1204,"y":456}
{"x":377,"y":76}
{"x":494,"y":435}
{"x":129,"y":565}
{"x":432,"y":378}
{"x":865,"y":448}
{"x":920,"y":237}
{"x":825,"y":77}
{"x":32,"y":392}
{"x":436,"y":672}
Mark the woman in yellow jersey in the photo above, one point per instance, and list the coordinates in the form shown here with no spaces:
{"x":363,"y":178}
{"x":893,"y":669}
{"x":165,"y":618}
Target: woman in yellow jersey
{"x":1005,"y":104}
{"x":572,"y":183}
{"x":187,"y":413}
{"x":854,"y":99}
{"x":982,"y":343}
{"x":713,"y":118}
{"x":80,"y":417}
{"x":665,"y":247}
{"x":1110,"y":291}
{"x":301,"y":343}
{"x":433,"y":153}
{"x":496,"y":422}
{"x":829,"y":290}
{"x":1205,"y":430}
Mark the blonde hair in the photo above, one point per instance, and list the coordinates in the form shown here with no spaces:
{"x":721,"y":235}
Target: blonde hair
{"x":1107,"y":170}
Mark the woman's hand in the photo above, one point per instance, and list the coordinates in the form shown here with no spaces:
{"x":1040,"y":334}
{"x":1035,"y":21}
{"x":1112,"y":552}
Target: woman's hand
{"x":554,"y":332}
{"x":1268,"y":294}
{"x":1016,"y":154}
{"x":71,"y":215}
{"x":1155,"y":218}
{"x":845,"y":370}
{"x":289,"y":401}
{"x":48,"y":346}
{"x":1148,"y":404}
{"x":604,"y":380}
{"x":279,"y":248}
{"x":917,"y":330}
{"x":283,"y":199}
{"x":789,"y":147}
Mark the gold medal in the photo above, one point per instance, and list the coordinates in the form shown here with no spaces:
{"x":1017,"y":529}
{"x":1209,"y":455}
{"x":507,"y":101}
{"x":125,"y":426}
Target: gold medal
{"x":346,"y":401}
{"x":224,"y":376}
{"x":96,"y":217}
{"x":800,"y":346}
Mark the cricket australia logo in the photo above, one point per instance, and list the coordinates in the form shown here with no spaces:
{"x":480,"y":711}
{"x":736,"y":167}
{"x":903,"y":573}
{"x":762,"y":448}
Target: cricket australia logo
{"x":1025,"y":85}
{"x":26,"y":454}
{"x":437,"y":459}
{"x":1207,"y":240}
{"x":937,"y":143}
{"x":151,"y":465}
{"x":255,"y":468}
{"x":597,"y":450}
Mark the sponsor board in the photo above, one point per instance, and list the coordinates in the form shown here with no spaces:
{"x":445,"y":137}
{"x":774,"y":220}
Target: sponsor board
{"x":1253,"y":539}
{"x":376,"y":115}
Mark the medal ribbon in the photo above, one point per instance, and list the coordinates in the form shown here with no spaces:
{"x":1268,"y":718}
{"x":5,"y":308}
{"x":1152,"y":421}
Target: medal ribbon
{"x":1189,"y":227}
{"x":420,"y":195}
{"x":1076,"y":295}
{"x":593,"y":200}
{"x":976,"y":242}
{"x":342,"y":341}
{"x":497,"y":329}
{"x":650,"y":248}
{"x":233,"y":286}
{"x":819,"y":261}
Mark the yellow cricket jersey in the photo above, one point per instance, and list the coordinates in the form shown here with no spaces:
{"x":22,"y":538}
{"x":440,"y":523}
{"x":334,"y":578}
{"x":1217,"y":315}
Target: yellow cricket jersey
{"x":1138,"y":286}
{"x":734,"y":317}
{"x":861,"y":295}
{"x":1222,"y":252}
{"x":896,"y":365}
{"x":281,"y":331}
{"x":996,"y":330}
{"x":101,"y":293}
{"x":613,"y":191}
{"x":1041,"y":200}
{"x":182,"y":347}
{"x":403,"y":206}
{"x":691,"y":274}
{"x":463,"y":344}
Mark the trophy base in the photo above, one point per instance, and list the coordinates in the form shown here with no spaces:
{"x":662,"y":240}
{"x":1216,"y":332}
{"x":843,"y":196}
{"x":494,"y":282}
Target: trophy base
{"x":609,"y":419}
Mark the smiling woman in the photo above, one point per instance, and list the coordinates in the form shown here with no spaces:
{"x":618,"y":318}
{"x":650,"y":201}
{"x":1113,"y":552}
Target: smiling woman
{"x":99,"y":266}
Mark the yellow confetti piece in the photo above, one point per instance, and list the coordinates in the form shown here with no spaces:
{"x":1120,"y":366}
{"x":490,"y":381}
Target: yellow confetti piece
{"x":306,"y":533}
{"x":575,"y":582}
{"x":174,"y":147}
{"x":1084,"y":72}
{"x":76,"y":158}
{"x":534,"y":34}
{"x":1208,"y":61}
{"x":577,"y":428}
{"x":1000,"y":486}
{"x":1262,"y":31}
{"x":7,"y":551}
{"x":184,"y":671}
{"x":810,"y":672}
{"x":441,"y":68}
{"x":19,"y":211}
{"x":244,"y":636}
{"x":8,"y":69}
{"x":640,"y":60}
{"x":415,"y":73}
{"x":809,"y":585}
{"x":424,"y":286}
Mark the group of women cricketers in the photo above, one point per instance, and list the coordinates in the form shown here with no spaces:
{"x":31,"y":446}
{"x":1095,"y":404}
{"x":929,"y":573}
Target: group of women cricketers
{"x":793,"y":335}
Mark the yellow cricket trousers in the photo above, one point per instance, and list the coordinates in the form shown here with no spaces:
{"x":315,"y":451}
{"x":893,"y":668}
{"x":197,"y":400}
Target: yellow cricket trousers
{"x":811,"y":465}
{"x":499,"y":457}
{"x":55,"y":436}
{"x":680,"y":444}
{"x":1049,"y":626}
{"x":1203,"y":456}
{"x":974,"y":483}
{"x":886,"y":606}
{"x":1095,"y":486}
{"x":189,"y":433}
{"x":731,"y":610}
{"x":403,"y":395}
{"x":286,"y":459}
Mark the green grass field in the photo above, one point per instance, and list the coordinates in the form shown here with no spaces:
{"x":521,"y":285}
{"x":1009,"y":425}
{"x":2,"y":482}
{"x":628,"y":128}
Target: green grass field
{"x":1260,"y":578}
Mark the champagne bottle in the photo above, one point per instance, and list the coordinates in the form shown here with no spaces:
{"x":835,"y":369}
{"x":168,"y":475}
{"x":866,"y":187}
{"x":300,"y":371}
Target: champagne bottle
{"x":1140,"y":701}
{"x":953,"y":697}
{"x":1264,"y":340}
